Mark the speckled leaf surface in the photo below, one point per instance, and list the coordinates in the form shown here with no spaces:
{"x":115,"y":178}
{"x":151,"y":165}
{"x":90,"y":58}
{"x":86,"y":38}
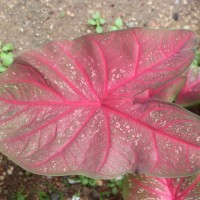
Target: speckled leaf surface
{"x":70,"y":107}
{"x":141,"y":187}
{"x":190,"y":94}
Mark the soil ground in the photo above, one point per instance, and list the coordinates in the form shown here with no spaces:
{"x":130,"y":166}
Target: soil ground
{"x":29,"y":24}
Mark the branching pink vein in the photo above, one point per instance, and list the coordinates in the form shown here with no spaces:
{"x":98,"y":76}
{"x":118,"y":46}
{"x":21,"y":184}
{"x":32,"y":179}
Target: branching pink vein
{"x":143,"y":72}
{"x":177,"y":187}
{"x":80,"y":67}
{"x":138,"y":81}
{"x":47,"y":103}
{"x":136,"y":65}
{"x":104,"y":65}
{"x":51,"y":139}
{"x":50,"y":90}
{"x":156,"y":152}
{"x":40,"y":127}
{"x":147,"y":113}
{"x":51,"y":66}
{"x":7,"y":110}
{"x":126,"y":116}
{"x":149,"y":189}
{"x":190,"y":188}
{"x":73,"y":138}
{"x":108,"y":135}
{"x":22,"y":127}
{"x":189,"y":87}
{"x":160,"y":180}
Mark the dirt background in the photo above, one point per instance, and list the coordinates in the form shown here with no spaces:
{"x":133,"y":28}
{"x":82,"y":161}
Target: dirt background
{"x":30,"y":23}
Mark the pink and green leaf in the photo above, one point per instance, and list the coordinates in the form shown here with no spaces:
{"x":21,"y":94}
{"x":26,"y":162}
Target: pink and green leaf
{"x":142,"y":187}
{"x":167,"y":92}
{"x":72,"y":107}
{"x":190,"y":94}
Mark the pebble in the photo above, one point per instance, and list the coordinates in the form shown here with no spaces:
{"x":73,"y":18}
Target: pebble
{"x":89,"y":31}
{"x":186,"y":27}
{"x":21,"y":30}
{"x":75,"y":198}
{"x":51,"y":27}
{"x":131,"y":24}
{"x":10,"y":170}
{"x":99,"y":182}
{"x":70,"y":14}
{"x":37,"y":34}
{"x":49,"y":177}
{"x":149,"y":3}
{"x":185,"y":2}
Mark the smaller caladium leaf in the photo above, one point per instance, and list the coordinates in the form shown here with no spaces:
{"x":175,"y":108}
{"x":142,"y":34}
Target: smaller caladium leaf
{"x":190,"y":94}
{"x":169,"y":91}
{"x":141,"y":187}
{"x":166,"y":92}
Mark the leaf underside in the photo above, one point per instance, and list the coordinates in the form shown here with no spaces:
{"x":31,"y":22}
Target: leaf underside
{"x":71,"y":107}
{"x":141,"y":187}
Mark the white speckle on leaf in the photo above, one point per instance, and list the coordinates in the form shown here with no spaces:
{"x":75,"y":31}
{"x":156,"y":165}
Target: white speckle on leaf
{"x":198,"y":139}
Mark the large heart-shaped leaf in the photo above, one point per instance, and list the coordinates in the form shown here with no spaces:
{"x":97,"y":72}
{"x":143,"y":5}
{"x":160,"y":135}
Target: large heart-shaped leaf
{"x":190,"y":94}
{"x":141,"y":187}
{"x":71,"y":107}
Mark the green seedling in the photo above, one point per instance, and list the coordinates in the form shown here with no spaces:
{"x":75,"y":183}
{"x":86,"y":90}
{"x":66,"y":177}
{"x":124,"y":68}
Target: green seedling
{"x":19,"y":195}
{"x":104,"y":195}
{"x":62,"y":14}
{"x":84,"y":181}
{"x":97,"y":21}
{"x":196,"y":61}
{"x":6,"y":56}
{"x":115,"y":185}
{"x":118,"y":24}
{"x":43,"y":196}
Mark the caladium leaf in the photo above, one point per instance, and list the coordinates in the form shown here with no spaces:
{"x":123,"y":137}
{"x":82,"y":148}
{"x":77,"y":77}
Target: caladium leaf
{"x":142,"y":187}
{"x":70,"y":107}
{"x":190,"y":94}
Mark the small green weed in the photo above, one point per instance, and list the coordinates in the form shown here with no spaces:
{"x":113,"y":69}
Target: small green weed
{"x":115,"y":185}
{"x":19,"y":195}
{"x":6,"y":56}
{"x":118,"y":24}
{"x":84,"y":181}
{"x":62,"y":14}
{"x":97,"y":21}
{"x":43,"y":196}
{"x":104,"y":195}
{"x":55,"y":195}
{"x":196,"y":61}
